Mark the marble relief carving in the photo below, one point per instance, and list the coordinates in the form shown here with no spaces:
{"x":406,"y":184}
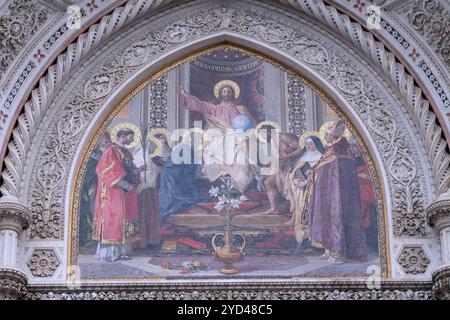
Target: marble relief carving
{"x":277,"y":294}
{"x":13,"y":284}
{"x":432,"y":20}
{"x":16,"y":28}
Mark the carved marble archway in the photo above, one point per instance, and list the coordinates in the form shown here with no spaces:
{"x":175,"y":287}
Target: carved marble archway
{"x":392,"y":130}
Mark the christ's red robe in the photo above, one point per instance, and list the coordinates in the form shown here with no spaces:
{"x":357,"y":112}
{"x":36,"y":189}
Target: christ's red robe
{"x":116,"y":217}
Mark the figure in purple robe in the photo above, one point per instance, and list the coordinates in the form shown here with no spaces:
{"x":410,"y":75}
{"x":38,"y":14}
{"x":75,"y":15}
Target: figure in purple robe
{"x":333,"y":208}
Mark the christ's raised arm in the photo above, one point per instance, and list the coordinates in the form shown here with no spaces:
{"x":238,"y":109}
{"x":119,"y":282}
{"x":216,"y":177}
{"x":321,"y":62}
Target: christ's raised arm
{"x":195,"y":104}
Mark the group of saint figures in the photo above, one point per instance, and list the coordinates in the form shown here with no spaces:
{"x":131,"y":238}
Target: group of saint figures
{"x":322,"y":175}
{"x":331,"y":211}
{"x":330,"y":191}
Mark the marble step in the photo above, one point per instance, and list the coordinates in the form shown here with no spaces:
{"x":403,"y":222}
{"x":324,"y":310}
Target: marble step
{"x":202,"y":220}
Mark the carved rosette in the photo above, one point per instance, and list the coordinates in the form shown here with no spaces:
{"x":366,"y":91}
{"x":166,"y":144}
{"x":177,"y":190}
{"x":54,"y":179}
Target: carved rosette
{"x":13,"y":215}
{"x":43,"y":263}
{"x":13,"y":284}
{"x":413,"y":260}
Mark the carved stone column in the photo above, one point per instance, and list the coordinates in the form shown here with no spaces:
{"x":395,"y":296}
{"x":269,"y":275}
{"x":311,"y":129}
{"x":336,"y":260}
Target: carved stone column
{"x":14,"y":219}
{"x":438,"y":216}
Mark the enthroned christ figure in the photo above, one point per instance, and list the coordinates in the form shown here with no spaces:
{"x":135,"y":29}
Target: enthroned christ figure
{"x":220,"y":117}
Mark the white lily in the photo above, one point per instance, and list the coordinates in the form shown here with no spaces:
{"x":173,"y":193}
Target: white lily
{"x":219,"y":206}
{"x":243,"y":198}
{"x":223,"y":199}
{"x":235,"y":203}
{"x":214,"y":191}
{"x":228,"y":184}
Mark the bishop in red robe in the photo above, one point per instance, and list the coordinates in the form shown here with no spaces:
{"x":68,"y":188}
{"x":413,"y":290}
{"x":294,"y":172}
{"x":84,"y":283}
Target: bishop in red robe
{"x":116,"y":216}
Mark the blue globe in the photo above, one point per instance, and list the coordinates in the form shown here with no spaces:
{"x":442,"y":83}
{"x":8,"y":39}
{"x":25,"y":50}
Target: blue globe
{"x":241,"y":122}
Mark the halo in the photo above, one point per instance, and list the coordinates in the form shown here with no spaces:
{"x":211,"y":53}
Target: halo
{"x":154,"y":131}
{"x":151,"y":136}
{"x":306,"y":135}
{"x":328,"y":125}
{"x":265,"y":123}
{"x":137,"y":134}
{"x":229,"y":83}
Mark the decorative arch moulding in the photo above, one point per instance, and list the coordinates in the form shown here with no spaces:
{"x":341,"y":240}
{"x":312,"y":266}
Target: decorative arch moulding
{"x":397,"y":21}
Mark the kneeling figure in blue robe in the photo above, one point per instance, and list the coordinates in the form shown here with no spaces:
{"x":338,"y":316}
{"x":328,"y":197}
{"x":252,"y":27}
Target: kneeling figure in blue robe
{"x":178,"y":187}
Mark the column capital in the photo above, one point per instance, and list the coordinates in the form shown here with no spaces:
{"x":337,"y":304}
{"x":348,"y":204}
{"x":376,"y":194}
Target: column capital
{"x":441,"y":283}
{"x":13,"y":284}
{"x":438,"y":212}
{"x":438,"y":217}
{"x":13,"y":215}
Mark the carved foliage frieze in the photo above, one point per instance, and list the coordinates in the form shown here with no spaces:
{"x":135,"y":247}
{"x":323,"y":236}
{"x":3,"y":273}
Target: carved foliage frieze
{"x":274,"y":294}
